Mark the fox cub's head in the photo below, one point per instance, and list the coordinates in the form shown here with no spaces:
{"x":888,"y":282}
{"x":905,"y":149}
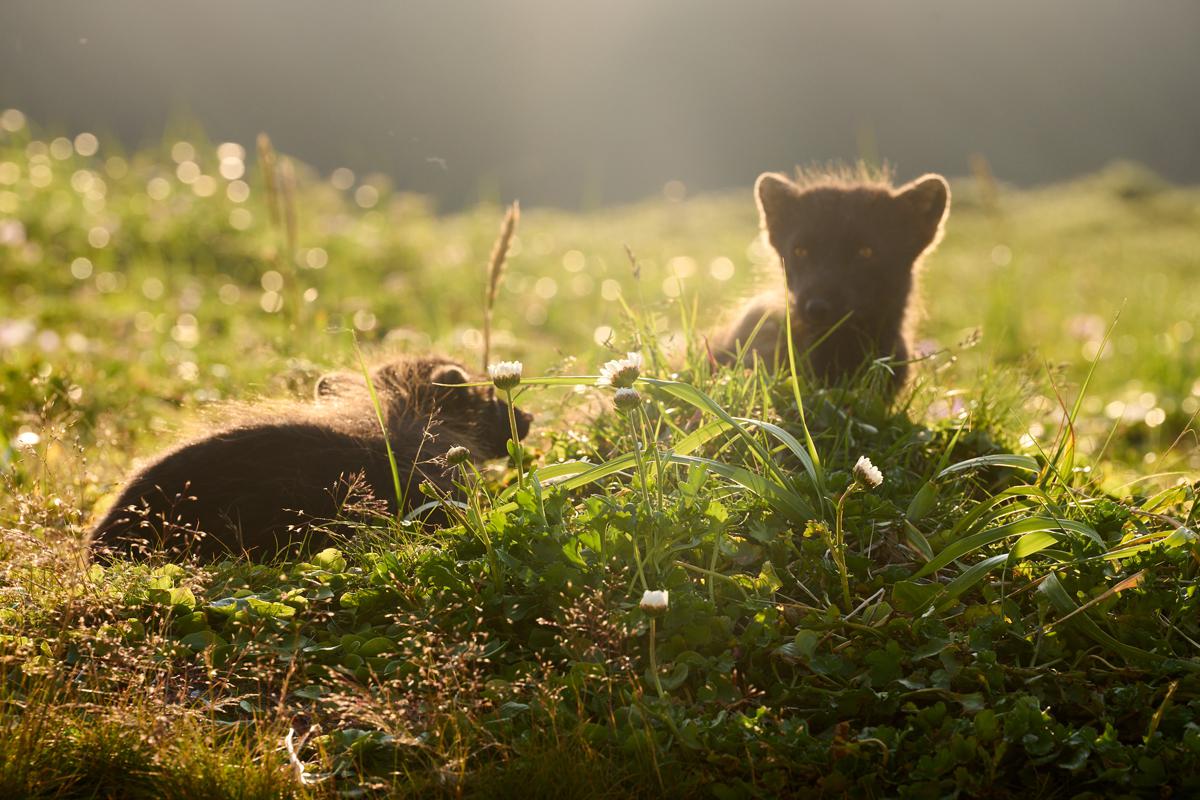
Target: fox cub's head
{"x":848,"y":249}
{"x":429,"y":388}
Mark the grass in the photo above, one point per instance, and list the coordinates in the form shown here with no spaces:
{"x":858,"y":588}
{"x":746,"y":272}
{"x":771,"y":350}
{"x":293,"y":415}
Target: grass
{"x":1021,"y":616}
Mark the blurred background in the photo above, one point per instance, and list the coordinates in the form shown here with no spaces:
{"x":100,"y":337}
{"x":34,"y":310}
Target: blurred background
{"x":584,"y":104}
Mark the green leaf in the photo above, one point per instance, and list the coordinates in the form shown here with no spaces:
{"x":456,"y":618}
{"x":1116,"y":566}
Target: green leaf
{"x":978,"y":541}
{"x":923,"y":502}
{"x":1012,"y":460}
{"x":678,"y":675}
{"x":885,"y":664}
{"x":330,"y":559}
{"x":768,"y":580}
{"x":910,"y":596}
{"x":1053,"y":589}
{"x":269,"y":608}
{"x":376,"y":647}
{"x":918,"y":541}
{"x":202,"y":639}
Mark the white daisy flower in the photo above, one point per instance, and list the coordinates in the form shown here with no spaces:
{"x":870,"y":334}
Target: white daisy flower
{"x":867,"y":473}
{"x":621,"y":372}
{"x":505,"y":374}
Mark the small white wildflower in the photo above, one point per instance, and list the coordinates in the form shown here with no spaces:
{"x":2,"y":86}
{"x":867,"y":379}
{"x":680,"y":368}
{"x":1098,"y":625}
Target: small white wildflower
{"x":627,"y":399}
{"x":621,"y":372}
{"x":505,"y":374}
{"x":867,"y":473}
{"x":654,"y":603}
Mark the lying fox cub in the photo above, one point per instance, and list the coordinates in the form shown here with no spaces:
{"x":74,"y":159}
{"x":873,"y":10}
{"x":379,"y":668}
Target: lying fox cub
{"x":257,"y":483}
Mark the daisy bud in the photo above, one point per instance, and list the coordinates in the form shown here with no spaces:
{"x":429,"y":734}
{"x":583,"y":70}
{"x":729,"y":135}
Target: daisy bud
{"x":627,"y":400}
{"x":457,"y":455}
{"x":654,"y":603}
{"x":505,"y":374}
{"x":867,"y":473}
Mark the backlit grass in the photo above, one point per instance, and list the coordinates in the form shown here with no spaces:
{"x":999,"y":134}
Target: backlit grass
{"x":1012,"y":610}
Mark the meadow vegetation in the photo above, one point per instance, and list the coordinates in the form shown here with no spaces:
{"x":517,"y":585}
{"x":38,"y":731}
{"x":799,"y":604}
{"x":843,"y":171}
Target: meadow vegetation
{"x":1012,"y":612}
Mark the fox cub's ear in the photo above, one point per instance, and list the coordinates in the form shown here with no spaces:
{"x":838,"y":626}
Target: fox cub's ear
{"x":929,"y":197}
{"x":449,"y":374}
{"x":444,"y":379}
{"x":773,"y":192}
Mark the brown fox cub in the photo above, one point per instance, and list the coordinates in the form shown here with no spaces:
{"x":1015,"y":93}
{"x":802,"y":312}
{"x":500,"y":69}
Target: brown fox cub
{"x":259,"y":481}
{"x":850,"y":247}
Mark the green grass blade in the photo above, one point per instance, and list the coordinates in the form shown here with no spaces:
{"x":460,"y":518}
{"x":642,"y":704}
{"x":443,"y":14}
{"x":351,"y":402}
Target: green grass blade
{"x":1012,"y":460}
{"x":970,"y":544}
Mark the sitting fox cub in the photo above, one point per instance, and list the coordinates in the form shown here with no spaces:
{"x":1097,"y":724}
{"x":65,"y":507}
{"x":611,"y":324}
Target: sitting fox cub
{"x":849,"y":247}
{"x":258,"y":482}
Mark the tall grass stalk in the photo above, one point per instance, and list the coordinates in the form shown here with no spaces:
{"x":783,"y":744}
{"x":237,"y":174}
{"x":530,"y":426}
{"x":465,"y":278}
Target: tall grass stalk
{"x":495,"y":273}
{"x":383,"y":429}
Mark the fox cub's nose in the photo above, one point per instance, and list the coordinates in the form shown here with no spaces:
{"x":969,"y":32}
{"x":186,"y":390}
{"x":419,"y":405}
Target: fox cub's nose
{"x":817,"y":310}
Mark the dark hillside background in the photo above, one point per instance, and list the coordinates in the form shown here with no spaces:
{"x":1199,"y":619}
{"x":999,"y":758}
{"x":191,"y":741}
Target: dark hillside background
{"x":588,"y":103}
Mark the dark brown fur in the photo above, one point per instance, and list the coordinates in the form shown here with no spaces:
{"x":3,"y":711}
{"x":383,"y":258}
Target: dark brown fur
{"x":850,"y":246}
{"x":258,"y":483}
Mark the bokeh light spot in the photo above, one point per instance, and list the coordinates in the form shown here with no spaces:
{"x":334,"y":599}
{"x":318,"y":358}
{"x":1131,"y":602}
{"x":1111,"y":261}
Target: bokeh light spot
{"x":574,"y":261}
{"x":86,"y":144}
{"x":182,"y":151}
{"x":81,"y":269}
{"x":366,"y":196}
{"x":674,"y":191}
{"x":342,"y":178}
{"x":316,"y":258}
{"x":237,"y":191}
{"x":12,"y":120}
{"x":272,"y":281}
{"x":240,"y":219}
{"x":271,"y":302}
{"x":98,"y":237}
{"x":721,"y":268}
{"x":158,"y":188}
{"x":61,"y":148}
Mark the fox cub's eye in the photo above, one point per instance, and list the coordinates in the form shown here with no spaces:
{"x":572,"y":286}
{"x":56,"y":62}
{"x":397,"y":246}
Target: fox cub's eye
{"x":800,"y":251}
{"x":865,"y":252}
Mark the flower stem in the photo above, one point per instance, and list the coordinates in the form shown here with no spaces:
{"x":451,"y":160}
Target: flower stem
{"x":643,"y":423}
{"x":518,"y":453}
{"x":654,"y":660}
{"x":838,"y":551}
{"x":641,"y":465}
